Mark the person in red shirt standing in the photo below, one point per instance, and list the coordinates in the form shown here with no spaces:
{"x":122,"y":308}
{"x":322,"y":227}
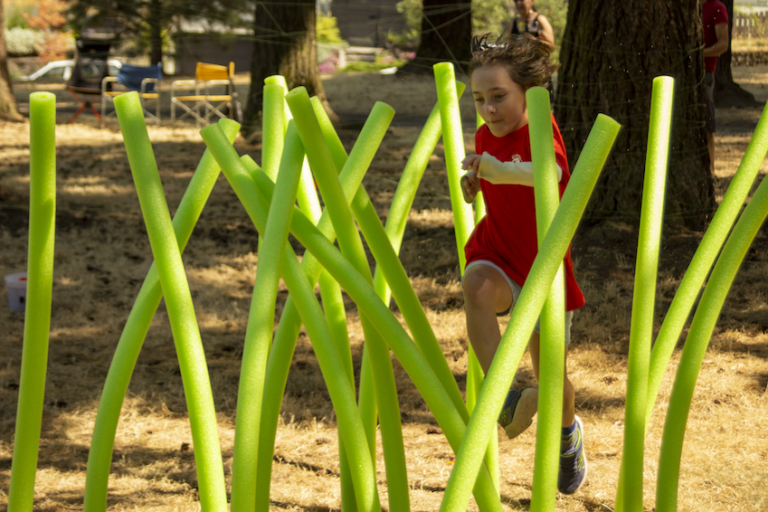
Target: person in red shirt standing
{"x":715,"y":18}
{"x":503,"y":245}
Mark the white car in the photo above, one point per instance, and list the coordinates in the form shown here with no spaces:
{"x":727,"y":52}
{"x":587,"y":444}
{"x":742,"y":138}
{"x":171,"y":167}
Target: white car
{"x":61,"y":71}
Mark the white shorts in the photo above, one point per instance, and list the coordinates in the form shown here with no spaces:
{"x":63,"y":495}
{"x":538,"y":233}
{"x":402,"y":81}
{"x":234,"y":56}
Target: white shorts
{"x":516,"y":294}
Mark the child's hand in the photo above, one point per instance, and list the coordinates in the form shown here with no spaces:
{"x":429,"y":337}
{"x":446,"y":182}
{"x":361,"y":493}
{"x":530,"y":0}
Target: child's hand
{"x":471,"y":162}
{"x":470,"y":186}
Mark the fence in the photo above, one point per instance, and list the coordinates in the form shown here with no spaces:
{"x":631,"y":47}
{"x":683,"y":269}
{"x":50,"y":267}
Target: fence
{"x":750,"y":25}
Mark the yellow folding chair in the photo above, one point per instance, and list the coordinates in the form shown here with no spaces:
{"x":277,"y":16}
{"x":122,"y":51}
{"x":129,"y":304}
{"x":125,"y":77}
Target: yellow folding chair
{"x":204,"y":103}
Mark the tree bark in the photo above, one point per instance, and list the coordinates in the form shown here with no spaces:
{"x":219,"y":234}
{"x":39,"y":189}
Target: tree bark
{"x":9,"y":110}
{"x":727,"y":92}
{"x":284,"y":44}
{"x":446,"y":34}
{"x":610,"y":55}
{"x":156,"y":23}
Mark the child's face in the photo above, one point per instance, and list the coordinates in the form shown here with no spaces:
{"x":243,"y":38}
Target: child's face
{"x":499,"y":100}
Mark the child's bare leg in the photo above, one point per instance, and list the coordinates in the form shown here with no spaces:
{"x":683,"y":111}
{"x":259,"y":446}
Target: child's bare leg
{"x":485,"y":293}
{"x":569,"y":396}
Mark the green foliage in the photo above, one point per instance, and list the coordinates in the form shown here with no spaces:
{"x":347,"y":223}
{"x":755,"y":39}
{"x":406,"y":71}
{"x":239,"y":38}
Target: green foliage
{"x":487,"y":16}
{"x":373,"y":67}
{"x":23,"y":41}
{"x":14,"y":16}
{"x":327,"y":30}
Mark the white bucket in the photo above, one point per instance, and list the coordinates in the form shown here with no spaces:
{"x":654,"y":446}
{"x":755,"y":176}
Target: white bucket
{"x":17,"y":291}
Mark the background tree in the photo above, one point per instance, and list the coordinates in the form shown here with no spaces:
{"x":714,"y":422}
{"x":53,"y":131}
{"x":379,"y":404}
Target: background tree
{"x":146,"y":23}
{"x":8,"y":108}
{"x":610,"y":54}
{"x":446,"y":32}
{"x":727,"y":92}
{"x":284,"y":44}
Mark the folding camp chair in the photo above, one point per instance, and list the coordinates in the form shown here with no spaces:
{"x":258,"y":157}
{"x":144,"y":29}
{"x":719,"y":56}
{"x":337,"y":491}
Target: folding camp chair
{"x":203,"y":103}
{"x":144,"y":80}
{"x":89,"y":70}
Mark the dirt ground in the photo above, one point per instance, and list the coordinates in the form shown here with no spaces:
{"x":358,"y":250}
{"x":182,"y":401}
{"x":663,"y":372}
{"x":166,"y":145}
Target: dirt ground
{"x":102,"y":255}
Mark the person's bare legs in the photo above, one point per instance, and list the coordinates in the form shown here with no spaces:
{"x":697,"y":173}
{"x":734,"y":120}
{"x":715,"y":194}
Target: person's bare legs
{"x":711,"y":148}
{"x":485,"y":293}
{"x":569,"y":396}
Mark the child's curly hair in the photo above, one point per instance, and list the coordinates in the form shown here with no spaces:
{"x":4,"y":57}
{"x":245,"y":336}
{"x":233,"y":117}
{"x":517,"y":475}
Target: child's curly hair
{"x":526,"y":59}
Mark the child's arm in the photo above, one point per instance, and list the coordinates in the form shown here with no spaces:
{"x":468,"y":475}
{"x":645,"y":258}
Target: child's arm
{"x":506,"y":173}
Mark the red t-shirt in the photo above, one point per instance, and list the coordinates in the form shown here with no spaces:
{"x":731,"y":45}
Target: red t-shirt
{"x":507,"y":234}
{"x":713,"y":13}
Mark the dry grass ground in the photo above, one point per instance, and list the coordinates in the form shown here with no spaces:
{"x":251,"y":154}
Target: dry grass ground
{"x":102,"y":255}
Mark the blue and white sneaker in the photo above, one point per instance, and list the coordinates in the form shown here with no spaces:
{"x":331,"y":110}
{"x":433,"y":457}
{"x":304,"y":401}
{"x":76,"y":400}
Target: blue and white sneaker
{"x":573,"y":461}
{"x":519,"y":409}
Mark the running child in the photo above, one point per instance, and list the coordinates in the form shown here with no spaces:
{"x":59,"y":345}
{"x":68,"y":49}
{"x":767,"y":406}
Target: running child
{"x":503,"y":245}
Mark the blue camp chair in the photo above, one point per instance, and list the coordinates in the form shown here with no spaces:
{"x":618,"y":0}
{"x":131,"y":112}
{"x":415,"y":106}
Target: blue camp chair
{"x":144,"y":80}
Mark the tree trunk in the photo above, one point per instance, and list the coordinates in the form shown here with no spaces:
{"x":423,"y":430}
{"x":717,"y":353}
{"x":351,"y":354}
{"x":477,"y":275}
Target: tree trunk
{"x":446,"y":34}
{"x":156,"y":22}
{"x":727,"y":92}
{"x":284,"y":44}
{"x":9,"y":111}
{"x":610,"y":55}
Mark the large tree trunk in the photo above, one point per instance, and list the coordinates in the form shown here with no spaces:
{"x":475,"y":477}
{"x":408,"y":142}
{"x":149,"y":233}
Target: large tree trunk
{"x":446,"y":33}
{"x":8,"y":108}
{"x":610,"y":55}
{"x":284,"y":44}
{"x":156,"y":22}
{"x":727,"y":92}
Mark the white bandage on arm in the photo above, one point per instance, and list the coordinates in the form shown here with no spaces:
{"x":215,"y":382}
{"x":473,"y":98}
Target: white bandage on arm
{"x":508,"y":173}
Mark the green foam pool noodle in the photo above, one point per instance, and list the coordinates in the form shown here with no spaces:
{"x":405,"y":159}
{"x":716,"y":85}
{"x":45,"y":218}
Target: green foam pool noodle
{"x":453,"y":142}
{"x":463,"y":220}
{"x":552,"y":335}
{"x":386,"y":256}
{"x":37,"y":316}
{"x":451,"y":420}
{"x":705,"y":255}
{"x":258,"y":336}
{"x":644,"y":298}
{"x":335,"y":312}
{"x":135,"y":331}
{"x":351,"y":246}
{"x":342,"y":394}
{"x":521,"y":323}
{"x":696,"y":344}
{"x":406,"y":351}
{"x":273,"y":129}
{"x":181,"y":313}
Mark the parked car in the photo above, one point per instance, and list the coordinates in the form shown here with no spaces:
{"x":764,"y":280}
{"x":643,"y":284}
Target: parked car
{"x":61,"y":70}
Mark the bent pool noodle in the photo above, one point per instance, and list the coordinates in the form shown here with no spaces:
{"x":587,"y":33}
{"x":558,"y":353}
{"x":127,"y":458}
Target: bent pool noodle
{"x":552,"y":336}
{"x":696,"y":343}
{"x":534,"y":293}
{"x":410,"y":307}
{"x":37,"y":316}
{"x":705,"y":255}
{"x":135,"y":331}
{"x":258,"y":334}
{"x":342,"y":394}
{"x":463,"y":220}
{"x":644,"y":295}
{"x":288,"y":328}
{"x":178,"y":300}
{"x":361,"y":292}
{"x":352,"y":248}
{"x":335,"y":312}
